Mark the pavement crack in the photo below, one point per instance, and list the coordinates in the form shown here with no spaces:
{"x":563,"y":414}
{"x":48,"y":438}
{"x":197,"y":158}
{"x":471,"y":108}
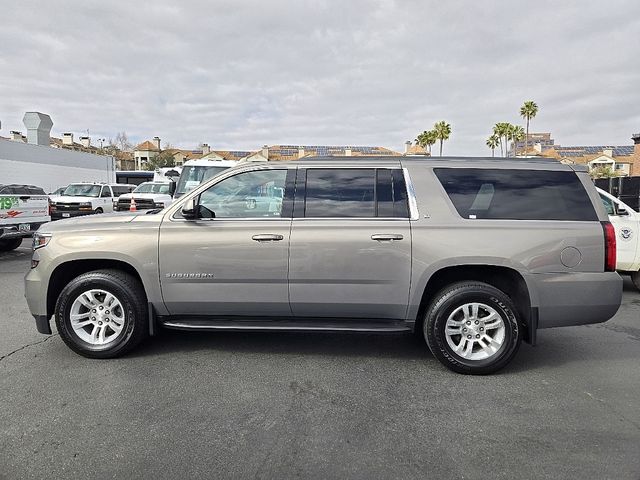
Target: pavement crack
{"x":27,"y":346}
{"x":613,"y":409}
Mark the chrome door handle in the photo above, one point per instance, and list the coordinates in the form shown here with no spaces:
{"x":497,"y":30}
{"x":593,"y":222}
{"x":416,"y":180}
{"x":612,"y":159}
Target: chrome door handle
{"x":386,"y":237}
{"x":267,"y":237}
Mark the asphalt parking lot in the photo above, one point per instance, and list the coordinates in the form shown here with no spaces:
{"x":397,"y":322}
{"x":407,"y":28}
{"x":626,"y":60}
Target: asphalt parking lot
{"x":234,"y":405}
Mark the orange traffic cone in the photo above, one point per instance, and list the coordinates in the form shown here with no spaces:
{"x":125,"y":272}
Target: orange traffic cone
{"x":132,"y":207}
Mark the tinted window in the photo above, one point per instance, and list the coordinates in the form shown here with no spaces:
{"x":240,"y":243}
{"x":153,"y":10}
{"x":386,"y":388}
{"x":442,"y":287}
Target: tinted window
{"x":106,"y":192}
{"x":251,"y":194}
{"x":516,"y":194}
{"x":340,"y":192}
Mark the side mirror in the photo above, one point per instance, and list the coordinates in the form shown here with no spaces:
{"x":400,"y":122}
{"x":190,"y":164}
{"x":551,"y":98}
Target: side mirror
{"x":172,"y":188}
{"x":622,"y":212}
{"x":189,"y":210}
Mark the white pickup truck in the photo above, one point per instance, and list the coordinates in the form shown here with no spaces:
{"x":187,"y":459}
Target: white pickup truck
{"x":626,"y":223}
{"x":23,"y":208}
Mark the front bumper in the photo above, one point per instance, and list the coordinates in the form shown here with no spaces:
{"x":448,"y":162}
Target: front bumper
{"x":567,"y":299}
{"x":59,"y":215}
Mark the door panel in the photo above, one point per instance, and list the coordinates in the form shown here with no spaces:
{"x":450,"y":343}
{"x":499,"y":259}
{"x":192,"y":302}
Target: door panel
{"x":235,"y":261}
{"x":215,"y":267}
{"x":338,"y":270}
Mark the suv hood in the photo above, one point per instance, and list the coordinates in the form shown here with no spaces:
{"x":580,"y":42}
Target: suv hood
{"x":94,"y":222}
{"x":69,"y":199}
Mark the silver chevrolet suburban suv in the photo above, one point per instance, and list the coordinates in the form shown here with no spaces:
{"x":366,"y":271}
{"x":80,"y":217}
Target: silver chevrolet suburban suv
{"x":473,"y":254}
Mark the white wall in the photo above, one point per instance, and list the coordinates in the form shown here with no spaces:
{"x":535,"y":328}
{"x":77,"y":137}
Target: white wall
{"x":51,"y":168}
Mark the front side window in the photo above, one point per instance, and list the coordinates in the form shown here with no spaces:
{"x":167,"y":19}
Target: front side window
{"x":259,"y":193}
{"x":516,"y":194}
{"x":193,"y":176}
{"x":106,"y":192}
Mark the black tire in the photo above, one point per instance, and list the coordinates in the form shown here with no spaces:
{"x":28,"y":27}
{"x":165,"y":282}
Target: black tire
{"x":129,"y":293}
{"x":10,"y":244}
{"x":635,"y":278}
{"x":445,"y":304}
{"x":98,"y":210}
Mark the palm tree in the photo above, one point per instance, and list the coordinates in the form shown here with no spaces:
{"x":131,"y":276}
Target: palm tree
{"x":442,"y":131}
{"x":501,"y":130}
{"x":492,"y":142}
{"x":426,"y":139}
{"x":528,"y":111}
{"x":516,"y":133}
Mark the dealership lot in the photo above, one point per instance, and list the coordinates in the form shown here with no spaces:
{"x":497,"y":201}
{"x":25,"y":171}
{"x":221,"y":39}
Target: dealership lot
{"x":237,"y":405}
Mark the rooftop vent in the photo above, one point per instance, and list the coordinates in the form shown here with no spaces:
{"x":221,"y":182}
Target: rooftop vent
{"x":38,"y":128}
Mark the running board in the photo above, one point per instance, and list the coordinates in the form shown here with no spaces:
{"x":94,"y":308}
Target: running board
{"x":324,"y":325}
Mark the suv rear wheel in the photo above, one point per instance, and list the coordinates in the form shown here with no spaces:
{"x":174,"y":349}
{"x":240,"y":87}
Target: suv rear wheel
{"x":102,"y":314}
{"x":635,"y":278}
{"x":471,"y":328}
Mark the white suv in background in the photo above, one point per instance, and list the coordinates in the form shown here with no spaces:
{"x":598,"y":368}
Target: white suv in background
{"x":87,"y":198}
{"x":626,"y":222}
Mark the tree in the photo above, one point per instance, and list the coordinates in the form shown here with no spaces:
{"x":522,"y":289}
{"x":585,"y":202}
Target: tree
{"x":162,"y":159}
{"x":492,"y":142}
{"x":603,"y":171}
{"x":528,"y":111}
{"x":442,"y":131}
{"x":502,"y":130}
{"x":516,"y":134}
{"x":426,"y":139}
{"x":121,"y":142}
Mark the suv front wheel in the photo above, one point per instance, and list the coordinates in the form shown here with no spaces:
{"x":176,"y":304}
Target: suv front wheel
{"x":471,"y":327}
{"x":102,"y":314}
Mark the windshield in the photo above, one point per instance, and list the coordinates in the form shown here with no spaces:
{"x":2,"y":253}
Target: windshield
{"x":82,"y":190}
{"x":193,"y":176}
{"x":152,"y":188}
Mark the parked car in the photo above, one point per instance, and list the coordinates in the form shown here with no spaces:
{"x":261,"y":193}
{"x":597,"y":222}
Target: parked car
{"x":23,"y":208}
{"x":147,"y":195}
{"x":626,"y":222}
{"x":87,"y":198}
{"x":475,"y":255}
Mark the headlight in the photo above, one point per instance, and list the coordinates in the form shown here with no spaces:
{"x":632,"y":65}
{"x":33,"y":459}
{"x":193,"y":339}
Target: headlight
{"x":158,"y":204}
{"x":85,"y":204}
{"x":40,"y":240}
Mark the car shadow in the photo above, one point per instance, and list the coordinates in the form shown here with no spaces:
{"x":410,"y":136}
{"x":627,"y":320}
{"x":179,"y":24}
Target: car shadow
{"x":551,"y":352}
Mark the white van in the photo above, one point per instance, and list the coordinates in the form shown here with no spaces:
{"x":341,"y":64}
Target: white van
{"x":626,"y":223}
{"x":87,"y":198}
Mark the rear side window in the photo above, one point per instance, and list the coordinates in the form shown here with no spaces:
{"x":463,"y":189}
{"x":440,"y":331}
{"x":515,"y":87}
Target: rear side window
{"x":355,"y":192}
{"x":516,"y":194}
{"x":340,"y":192}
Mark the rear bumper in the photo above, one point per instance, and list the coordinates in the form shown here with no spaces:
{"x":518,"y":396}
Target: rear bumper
{"x":8,"y":232}
{"x":566,"y":299}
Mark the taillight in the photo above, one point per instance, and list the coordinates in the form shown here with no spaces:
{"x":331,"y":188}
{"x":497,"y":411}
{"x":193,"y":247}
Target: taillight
{"x":609,"y":247}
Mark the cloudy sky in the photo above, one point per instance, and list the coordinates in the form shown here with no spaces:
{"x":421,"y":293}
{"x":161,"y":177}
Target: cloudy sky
{"x":240,"y":74}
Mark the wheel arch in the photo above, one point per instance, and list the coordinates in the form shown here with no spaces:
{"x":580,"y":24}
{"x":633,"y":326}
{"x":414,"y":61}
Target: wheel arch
{"x":506,"y":279}
{"x":67,"y":271}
